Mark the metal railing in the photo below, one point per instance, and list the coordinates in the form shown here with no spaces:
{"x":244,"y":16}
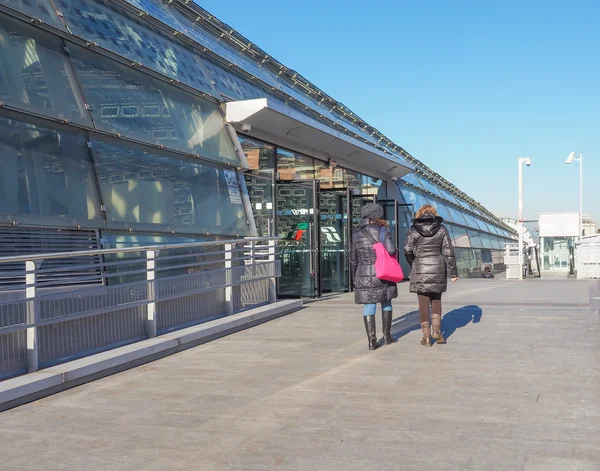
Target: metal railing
{"x":95,"y":300}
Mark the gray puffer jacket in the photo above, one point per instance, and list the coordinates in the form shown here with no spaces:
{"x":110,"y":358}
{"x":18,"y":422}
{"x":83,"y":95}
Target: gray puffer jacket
{"x":430,"y":254}
{"x":368,"y":289}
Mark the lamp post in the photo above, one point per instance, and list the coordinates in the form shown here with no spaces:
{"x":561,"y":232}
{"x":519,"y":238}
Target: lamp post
{"x":578,"y":156}
{"x":527,"y":162}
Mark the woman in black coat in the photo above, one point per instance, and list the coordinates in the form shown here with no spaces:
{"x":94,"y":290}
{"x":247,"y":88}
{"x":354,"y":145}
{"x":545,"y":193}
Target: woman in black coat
{"x":430,"y":254}
{"x":368,"y":289}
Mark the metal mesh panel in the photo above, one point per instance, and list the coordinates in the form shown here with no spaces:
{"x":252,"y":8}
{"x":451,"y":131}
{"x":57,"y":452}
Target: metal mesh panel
{"x":254,"y":293}
{"x":13,"y":315}
{"x":59,"y":342}
{"x":13,"y":353}
{"x":190,"y":310}
{"x":178,"y":286}
{"x":92,"y":301}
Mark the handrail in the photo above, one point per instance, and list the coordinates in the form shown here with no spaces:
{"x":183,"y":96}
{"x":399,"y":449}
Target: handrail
{"x":141,"y":248}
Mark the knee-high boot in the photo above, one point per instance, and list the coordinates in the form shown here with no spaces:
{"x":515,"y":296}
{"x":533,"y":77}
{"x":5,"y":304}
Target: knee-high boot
{"x":426,"y":329}
{"x":386,"y":319}
{"x":436,"y":322}
{"x":371,"y":332}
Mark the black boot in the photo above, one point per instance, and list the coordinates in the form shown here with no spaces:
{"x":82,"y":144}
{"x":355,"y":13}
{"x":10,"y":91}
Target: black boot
{"x":370,"y":327}
{"x":386,"y":318}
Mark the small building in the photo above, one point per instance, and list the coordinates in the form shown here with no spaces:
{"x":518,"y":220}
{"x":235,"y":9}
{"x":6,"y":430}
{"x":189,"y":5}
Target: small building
{"x":558,"y":233}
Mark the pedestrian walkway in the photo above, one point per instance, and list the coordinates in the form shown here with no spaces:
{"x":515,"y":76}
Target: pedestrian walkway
{"x":517,"y":387}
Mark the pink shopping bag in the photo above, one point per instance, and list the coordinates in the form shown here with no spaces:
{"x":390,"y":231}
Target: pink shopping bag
{"x":386,"y":267}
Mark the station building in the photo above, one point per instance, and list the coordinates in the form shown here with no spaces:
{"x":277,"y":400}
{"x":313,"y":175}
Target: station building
{"x":136,"y":122}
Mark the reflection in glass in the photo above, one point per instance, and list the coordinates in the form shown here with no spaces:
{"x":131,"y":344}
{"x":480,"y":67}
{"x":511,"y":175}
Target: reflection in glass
{"x":259,"y":155}
{"x":156,"y":192}
{"x":99,"y":22}
{"x":412,"y":179}
{"x":442,"y":209}
{"x":414,"y":197}
{"x":460,"y":237}
{"x":34,"y":73}
{"x":331,"y":176}
{"x":475,"y":237}
{"x":130,"y":103}
{"x":46,"y":173}
{"x":295,"y":223}
{"x":41,"y":9}
{"x":294,"y":166}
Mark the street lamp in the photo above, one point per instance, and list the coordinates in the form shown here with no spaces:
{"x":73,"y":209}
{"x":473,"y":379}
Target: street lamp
{"x":578,"y":156}
{"x":527,"y":162}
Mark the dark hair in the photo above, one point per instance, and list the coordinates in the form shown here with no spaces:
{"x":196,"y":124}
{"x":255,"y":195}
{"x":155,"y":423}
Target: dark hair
{"x":379,"y":222}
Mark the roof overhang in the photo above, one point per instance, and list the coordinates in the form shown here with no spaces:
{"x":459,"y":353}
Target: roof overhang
{"x":284,"y":126}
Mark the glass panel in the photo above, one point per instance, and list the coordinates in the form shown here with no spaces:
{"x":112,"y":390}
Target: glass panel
{"x":46,"y":174}
{"x":295,"y":223}
{"x":482,"y":225}
{"x":465,"y":261}
{"x":156,"y":192}
{"x":293,"y":166}
{"x":414,"y":197}
{"x":41,"y":9}
{"x":430,"y":187}
{"x":35,"y":75}
{"x":471,"y":221}
{"x":486,"y":240}
{"x":457,"y":216}
{"x":475,"y":237}
{"x":197,"y":255}
{"x":413,"y":180}
{"x":460,"y":238}
{"x":450,"y":197}
{"x":372,"y":186}
{"x":260,"y":156}
{"x":232,"y":85}
{"x":130,"y":103}
{"x":334,"y":229}
{"x":331,"y":176}
{"x":260,"y":189}
{"x":442,"y":209}
{"x":116,"y":31}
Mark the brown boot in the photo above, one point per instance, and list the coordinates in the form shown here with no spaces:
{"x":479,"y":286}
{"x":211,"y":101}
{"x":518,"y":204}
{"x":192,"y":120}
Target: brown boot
{"x":426,"y":329}
{"x":436,"y":322}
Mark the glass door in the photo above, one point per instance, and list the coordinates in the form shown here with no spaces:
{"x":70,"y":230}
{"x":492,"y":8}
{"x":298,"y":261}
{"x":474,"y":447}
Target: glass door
{"x":334,"y":240}
{"x":297,"y":224}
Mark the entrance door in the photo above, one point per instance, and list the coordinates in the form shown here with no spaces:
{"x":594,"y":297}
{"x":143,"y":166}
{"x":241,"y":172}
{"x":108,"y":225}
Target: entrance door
{"x":399,"y":216}
{"x":296,"y":222}
{"x":334,"y":240}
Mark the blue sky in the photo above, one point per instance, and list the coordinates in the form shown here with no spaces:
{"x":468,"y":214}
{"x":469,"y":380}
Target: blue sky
{"x":465,"y":86}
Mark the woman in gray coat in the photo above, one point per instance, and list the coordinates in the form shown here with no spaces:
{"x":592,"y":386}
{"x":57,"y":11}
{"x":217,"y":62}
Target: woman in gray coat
{"x":430,"y":254}
{"x":368,"y":289}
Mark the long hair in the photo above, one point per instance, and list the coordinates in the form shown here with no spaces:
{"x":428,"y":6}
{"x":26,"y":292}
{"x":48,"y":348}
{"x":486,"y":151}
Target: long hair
{"x":379,"y":222}
{"x":426,"y":209}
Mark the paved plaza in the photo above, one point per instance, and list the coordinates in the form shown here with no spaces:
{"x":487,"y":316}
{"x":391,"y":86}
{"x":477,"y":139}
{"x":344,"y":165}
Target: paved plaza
{"x":517,"y":387}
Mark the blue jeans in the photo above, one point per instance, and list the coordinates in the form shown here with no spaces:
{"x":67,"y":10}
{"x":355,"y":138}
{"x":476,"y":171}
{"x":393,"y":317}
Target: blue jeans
{"x":371,"y":309}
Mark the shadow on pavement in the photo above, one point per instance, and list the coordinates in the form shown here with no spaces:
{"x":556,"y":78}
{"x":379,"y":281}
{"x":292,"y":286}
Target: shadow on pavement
{"x":460,"y":318}
{"x":451,"y":321}
{"x":405,"y":324}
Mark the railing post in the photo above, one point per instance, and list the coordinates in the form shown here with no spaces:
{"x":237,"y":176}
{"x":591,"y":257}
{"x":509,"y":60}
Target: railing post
{"x":151,"y":279}
{"x":33,"y":356}
{"x":272,"y":281}
{"x":229,"y":278}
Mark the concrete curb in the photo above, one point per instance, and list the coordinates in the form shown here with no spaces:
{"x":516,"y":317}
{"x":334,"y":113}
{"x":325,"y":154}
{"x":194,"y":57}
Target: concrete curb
{"x":33,"y":386}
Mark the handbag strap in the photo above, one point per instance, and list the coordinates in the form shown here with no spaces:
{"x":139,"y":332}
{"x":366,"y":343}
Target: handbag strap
{"x":369,"y":236}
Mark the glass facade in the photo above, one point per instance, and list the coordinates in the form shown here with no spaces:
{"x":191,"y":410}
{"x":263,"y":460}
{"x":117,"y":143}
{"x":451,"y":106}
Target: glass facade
{"x":127,"y":137}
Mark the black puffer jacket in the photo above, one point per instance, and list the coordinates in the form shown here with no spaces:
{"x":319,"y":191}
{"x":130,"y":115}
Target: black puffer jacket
{"x":368,"y":288}
{"x":430,"y":254}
